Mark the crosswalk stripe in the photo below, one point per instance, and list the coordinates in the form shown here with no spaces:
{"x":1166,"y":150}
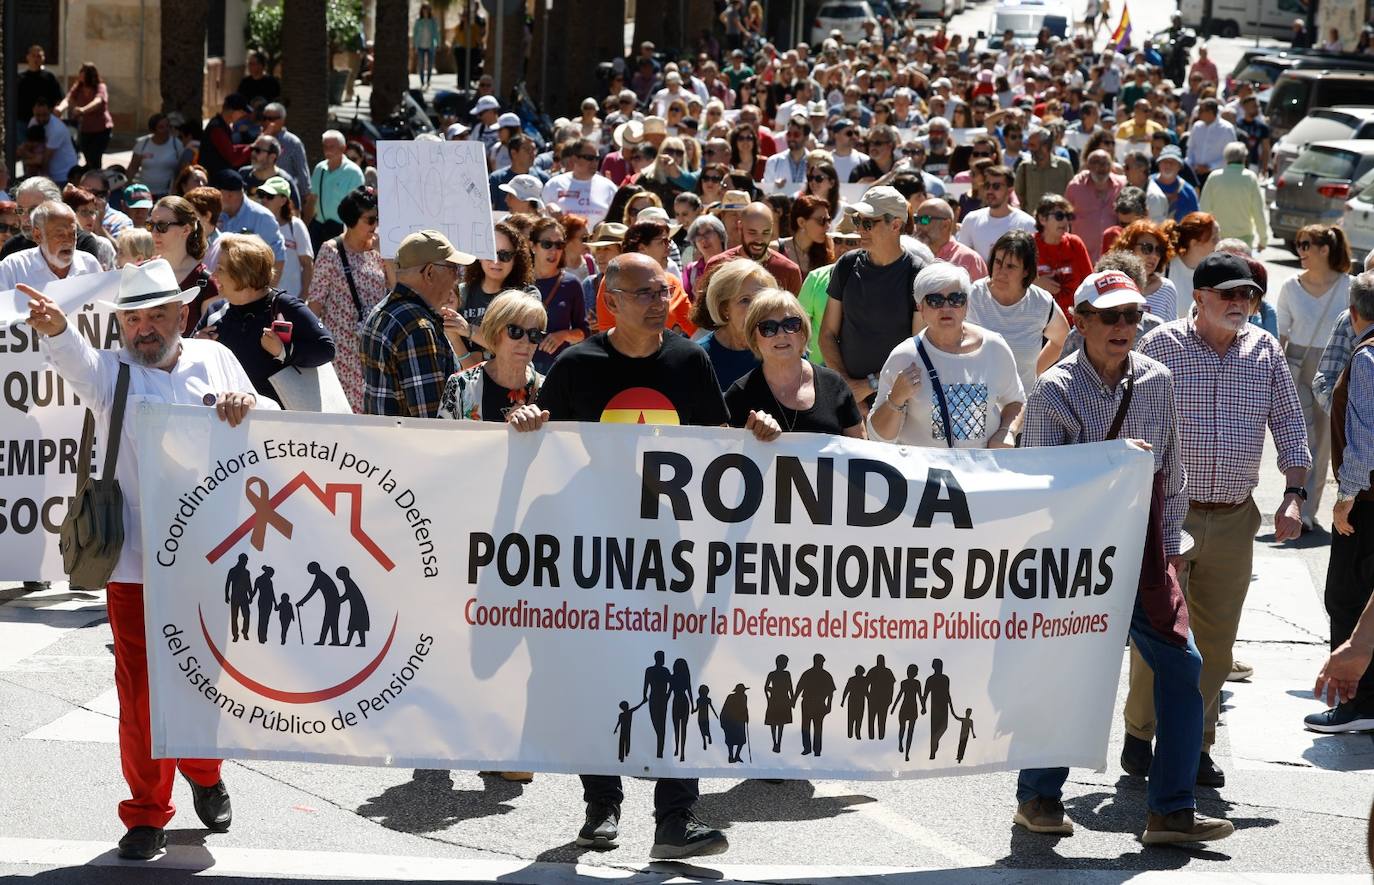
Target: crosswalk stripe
{"x":95,"y":722}
{"x":212,"y":861}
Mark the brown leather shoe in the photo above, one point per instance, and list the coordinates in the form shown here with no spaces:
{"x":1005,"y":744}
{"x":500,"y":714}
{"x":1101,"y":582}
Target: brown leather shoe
{"x":1184,"y":825}
{"x":1041,"y":815}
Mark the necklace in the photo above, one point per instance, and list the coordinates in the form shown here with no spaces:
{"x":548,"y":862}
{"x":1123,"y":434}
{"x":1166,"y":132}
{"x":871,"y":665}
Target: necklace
{"x":782,"y":410}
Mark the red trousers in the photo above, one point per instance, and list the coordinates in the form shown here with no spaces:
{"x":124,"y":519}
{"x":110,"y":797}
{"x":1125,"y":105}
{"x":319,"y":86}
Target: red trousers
{"x":149,"y":779}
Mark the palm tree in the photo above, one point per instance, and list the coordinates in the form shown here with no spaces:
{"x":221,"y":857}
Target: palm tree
{"x":391,"y":58}
{"x":182,"y":72}
{"x":305,"y":70}
{"x":569,"y":42}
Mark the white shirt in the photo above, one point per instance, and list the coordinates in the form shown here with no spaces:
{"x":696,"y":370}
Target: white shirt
{"x":59,"y":141}
{"x":846,"y":165}
{"x":1206,"y":142}
{"x":978,"y":386}
{"x":664,"y":97}
{"x":1181,"y":275}
{"x":590,"y":198}
{"x":204,"y":367}
{"x":1022,"y":324}
{"x":29,"y":268}
{"x":1163,"y":302}
{"x":980,"y":231}
{"x":781,"y":165}
{"x":158,"y":166}
{"x":1307,"y":320}
{"x":1156,"y":203}
{"x":297,"y":238}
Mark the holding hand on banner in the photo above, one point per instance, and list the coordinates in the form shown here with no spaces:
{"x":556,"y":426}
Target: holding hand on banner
{"x":763,"y":425}
{"x":527,"y":418}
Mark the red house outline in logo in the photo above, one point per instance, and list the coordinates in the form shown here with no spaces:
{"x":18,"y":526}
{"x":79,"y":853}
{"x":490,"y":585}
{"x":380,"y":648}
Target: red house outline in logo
{"x":266,"y":514}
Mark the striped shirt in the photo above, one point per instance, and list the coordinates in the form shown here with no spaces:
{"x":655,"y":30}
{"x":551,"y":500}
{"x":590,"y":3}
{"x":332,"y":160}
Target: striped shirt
{"x":1072,"y":404}
{"x":1224,"y":404}
{"x":1334,"y":357}
{"x":406,"y":358}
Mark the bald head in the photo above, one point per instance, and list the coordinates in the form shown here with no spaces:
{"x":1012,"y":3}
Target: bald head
{"x":934,"y":223}
{"x":627,"y":266}
{"x":756,"y":230}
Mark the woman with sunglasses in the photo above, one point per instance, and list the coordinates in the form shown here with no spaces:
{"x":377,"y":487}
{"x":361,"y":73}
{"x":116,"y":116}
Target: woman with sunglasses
{"x":711,"y":183}
{"x":723,"y":311}
{"x":179,"y":237}
{"x":744,"y":151}
{"x":1062,"y":258}
{"x":350,"y":279}
{"x":505,"y":388}
{"x":823,"y":181}
{"x":800,"y":396}
{"x":560,"y":292}
{"x":484,"y":280}
{"x":809,"y":247}
{"x":954,"y":384}
{"x":1146,"y":241}
{"x":275,"y":195}
{"x":1308,"y":306}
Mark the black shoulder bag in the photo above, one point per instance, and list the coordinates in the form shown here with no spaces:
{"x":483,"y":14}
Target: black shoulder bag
{"x":91,"y":538}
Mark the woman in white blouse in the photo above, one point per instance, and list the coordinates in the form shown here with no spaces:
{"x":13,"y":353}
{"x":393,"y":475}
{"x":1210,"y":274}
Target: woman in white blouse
{"x":1308,"y":306}
{"x":974,"y":370}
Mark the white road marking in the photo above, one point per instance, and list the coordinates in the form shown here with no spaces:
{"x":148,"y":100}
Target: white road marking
{"x":31,"y":626}
{"x":96,"y":722}
{"x":904,"y":826}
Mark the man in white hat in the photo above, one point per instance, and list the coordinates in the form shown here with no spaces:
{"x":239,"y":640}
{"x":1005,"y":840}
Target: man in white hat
{"x":162,"y":367}
{"x":406,"y":356}
{"x":628,"y":136}
{"x":56,"y":256}
{"x":487,"y":111}
{"x":1106,"y":391}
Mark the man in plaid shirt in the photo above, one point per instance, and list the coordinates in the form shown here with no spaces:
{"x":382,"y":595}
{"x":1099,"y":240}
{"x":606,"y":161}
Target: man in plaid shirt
{"x":1231,"y":381}
{"x":406,"y":357}
{"x":1078,"y":401}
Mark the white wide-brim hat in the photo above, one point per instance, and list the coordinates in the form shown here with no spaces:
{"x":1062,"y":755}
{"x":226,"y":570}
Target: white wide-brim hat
{"x":149,"y":284}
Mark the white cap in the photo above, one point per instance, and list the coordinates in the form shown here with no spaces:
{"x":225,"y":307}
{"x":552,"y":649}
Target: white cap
{"x":456,"y":131}
{"x":486,"y":103}
{"x":508,"y":119}
{"x":524,"y":187}
{"x":1108,"y":289}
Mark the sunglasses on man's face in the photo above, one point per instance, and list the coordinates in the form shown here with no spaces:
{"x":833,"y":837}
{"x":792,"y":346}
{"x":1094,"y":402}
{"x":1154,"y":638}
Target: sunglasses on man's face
{"x":1112,"y":317}
{"x":869,"y":223}
{"x":1240,"y":293}
{"x":515,"y":333}
{"x":590,"y":158}
{"x":982,"y":155}
{"x":925,"y":220}
{"x":952,"y":299}
{"x":770,"y":328}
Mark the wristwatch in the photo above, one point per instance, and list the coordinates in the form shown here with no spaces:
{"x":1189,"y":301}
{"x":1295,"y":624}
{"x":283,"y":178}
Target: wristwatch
{"x":1342,"y":497}
{"x":1295,"y":490}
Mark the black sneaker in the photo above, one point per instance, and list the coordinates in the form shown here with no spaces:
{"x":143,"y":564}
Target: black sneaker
{"x":682,"y":835}
{"x":212,"y":806}
{"x":1136,"y":756}
{"x":142,"y":843}
{"x":1339,"y":719}
{"x":1208,"y":774}
{"x":602,"y":827}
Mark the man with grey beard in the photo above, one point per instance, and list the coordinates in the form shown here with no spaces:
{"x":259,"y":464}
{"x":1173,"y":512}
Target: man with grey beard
{"x":158,"y":366}
{"x":53,"y":229}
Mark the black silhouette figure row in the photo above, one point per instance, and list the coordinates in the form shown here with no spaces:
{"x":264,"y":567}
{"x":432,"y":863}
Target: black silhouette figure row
{"x":241,"y":591}
{"x":814,"y":692}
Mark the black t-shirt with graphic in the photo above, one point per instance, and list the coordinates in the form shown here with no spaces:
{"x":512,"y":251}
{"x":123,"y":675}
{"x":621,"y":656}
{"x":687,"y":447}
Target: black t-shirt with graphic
{"x":592,"y":381}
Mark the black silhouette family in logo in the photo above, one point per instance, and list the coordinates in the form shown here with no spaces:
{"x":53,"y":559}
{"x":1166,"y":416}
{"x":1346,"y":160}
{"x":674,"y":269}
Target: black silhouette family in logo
{"x":874,"y":689}
{"x":242,"y":592}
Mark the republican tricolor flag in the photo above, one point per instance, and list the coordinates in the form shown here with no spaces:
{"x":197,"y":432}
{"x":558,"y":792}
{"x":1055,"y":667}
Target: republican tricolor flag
{"x":1121,"y":37}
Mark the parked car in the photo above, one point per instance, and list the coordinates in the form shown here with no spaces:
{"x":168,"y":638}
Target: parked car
{"x":1025,"y":18}
{"x":845,"y":16}
{"x":1298,"y":92}
{"x":1322,"y":124}
{"x":1315,"y":187}
{"x":1359,"y":218}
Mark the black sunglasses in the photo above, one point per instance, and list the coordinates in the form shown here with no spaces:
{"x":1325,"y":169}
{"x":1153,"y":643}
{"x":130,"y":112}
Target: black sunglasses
{"x":163,"y":226}
{"x":10,"y":228}
{"x":870,"y":223}
{"x":816,"y":179}
{"x":1146,"y":248}
{"x":515,"y":333}
{"x":1061,"y":215}
{"x":590,"y":158}
{"x":552,"y":244}
{"x":770,"y":328}
{"x":505,"y":255}
{"x":981,"y":155}
{"x":1240,"y":293}
{"x":713,"y":179}
{"x":1112,"y":317}
{"x":953,"y":299}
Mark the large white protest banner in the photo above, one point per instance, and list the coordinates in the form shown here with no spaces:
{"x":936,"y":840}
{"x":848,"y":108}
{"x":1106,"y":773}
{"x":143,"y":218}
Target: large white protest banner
{"x":40,"y":425}
{"x":634,"y":600}
{"x":434,"y":185}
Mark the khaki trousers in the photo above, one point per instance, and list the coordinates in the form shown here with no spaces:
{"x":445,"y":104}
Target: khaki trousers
{"x":1215,"y":579}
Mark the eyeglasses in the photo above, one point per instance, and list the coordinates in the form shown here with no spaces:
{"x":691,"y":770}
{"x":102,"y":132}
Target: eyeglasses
{"x":1304,"y":245}
{"x":101,"y":194}
{"x":924,"y":220}
{"x":647,"y":296}
{"x":1112,"y":318}
{"x":10,"y":228}
{"x":982,"y":155}
{"x":552,"y":244}
{"x":369,"y":219}
{"x":446,"y":266}
{"x":713,"y":179}
{"x":1146,"y":248}
{"x":744,"y":138}
{"x":515,"y":333}
{"x":816,"y":179}
{"x":673,"y":152}
{"x":1240,"y":293}
{"x":1061,"y":215}
{"x":953,"y":299}
{"x":770,"y":328}
{"x":995,"y":186}
{"x":870,"y":223}
{"x":882,"y":142}
{"x":912,"y":152}
{"x":262,"y":150}
{"x":823,"y":220}
{"x":590,"y":158}
{"x":163,"y":226}
{"x":504,"y":255}
{"x":267,"y":119}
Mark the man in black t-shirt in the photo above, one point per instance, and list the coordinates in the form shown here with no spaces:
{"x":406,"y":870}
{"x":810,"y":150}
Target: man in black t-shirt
{"x":871,"y":310}
{"x":35,"y":82}
{"x":638,"y":373}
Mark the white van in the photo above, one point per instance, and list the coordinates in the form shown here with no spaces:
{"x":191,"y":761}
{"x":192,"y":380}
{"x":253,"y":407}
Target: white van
{"x":1249,"y":18}
{"x":1025,"y":18}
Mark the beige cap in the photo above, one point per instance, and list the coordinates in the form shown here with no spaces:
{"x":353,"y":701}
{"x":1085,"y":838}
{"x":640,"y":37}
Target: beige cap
{"x":608,"y":233}
{"x":655,"y":126}
{"x":429,"y":247}
{"x":881,"y":200}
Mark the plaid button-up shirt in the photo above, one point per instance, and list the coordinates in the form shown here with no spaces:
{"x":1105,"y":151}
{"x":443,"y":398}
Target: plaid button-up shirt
{"x":406,"y":358}
{"x":1334,"y":357}
{"x":1357,"y":465}
{"x":1224,"y":404}
{"x":1072,"y":404}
